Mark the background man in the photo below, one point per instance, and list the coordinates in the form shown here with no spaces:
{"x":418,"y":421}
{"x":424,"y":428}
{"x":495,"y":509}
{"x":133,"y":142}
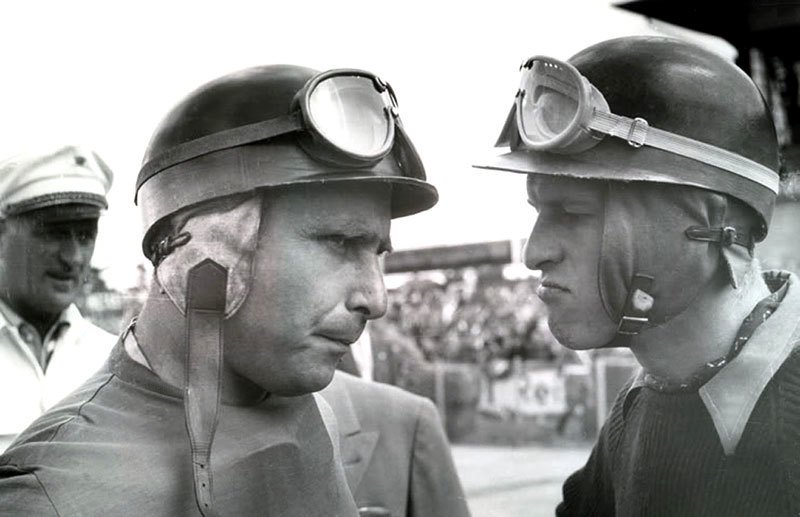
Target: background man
{"x":394,"y":449}
{"x":653,"y":167}
{"x":49,"y":206}
{"x":267,"y":196}
{"x":383,"y":354}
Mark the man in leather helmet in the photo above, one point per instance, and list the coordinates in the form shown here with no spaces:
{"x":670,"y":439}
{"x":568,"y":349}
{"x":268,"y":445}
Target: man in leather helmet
{"x":267,"y":197}
{"x":653,"y":165}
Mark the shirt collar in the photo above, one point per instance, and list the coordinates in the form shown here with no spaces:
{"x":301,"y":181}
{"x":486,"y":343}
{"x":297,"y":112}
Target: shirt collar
{"x":68,"y":316}
{"x":731,"y":395}
{"x":12,"y":318}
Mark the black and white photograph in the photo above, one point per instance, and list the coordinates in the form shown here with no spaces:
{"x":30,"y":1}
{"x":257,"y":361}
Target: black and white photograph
{"x":400,"y":259}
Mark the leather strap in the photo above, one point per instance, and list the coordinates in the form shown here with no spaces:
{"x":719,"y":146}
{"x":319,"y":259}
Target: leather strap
{"x":637,"y":132}
{"x":726,"y":236}
{"x":635,"y":314}
{"x":205,"y":309}
{"x":226,"y":139}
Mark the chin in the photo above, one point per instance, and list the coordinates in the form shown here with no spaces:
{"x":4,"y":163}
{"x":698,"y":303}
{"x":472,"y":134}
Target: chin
{"x":55,"y":306}
{"x":58,"y":301}
{"x":305,"y":382}
{"x":576,"y":338}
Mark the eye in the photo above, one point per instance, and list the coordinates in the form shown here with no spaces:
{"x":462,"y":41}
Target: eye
{"x":86,"y":236}
{"x":339,"y":243}
{"x":578,"y":209}
{"x":52,"y":233}
{"x":336,"y":239}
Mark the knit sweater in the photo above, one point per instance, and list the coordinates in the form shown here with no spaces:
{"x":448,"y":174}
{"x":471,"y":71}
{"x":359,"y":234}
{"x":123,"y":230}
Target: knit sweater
{"x":659,"y":454}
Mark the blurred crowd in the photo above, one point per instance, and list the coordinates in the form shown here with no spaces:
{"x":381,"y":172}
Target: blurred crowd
{"x":474,"y":316}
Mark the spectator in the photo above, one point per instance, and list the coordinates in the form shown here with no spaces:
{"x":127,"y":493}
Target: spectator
{"x":50,"y":202}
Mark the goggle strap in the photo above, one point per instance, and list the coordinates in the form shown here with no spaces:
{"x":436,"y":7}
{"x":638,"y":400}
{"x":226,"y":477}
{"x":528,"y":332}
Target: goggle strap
{"x":222,"y":140}
{"x":637,"y":133}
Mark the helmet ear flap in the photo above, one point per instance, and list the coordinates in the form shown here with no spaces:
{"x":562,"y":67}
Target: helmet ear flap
{"x":226,"y":233}
{"x":734,"y":256}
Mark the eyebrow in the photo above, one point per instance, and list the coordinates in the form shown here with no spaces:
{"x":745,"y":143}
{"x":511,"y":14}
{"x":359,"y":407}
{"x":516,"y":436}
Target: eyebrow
{"x":351,"y":230}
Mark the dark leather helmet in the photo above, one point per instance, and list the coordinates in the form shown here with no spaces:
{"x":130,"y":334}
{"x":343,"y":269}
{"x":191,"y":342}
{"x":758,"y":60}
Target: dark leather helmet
{"x":169,"y":181}
{"x":678,"y":87}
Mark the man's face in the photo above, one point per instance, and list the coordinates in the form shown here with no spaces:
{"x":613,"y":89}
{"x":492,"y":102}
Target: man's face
{"x":317,"y":279}
{"x":44,"y":262}
{"x":565,"y":245}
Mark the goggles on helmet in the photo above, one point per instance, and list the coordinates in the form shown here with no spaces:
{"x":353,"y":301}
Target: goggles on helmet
{"x":560,"y":111}
{"x":346,"y":117}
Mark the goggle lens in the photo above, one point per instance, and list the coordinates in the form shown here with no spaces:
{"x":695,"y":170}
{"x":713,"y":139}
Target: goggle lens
{"x":352,"y":115}
{"x":549,"y":103}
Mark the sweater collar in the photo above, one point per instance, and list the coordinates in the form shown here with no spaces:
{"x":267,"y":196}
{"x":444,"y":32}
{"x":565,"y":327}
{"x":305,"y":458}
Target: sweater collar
{"x":731,"y":395}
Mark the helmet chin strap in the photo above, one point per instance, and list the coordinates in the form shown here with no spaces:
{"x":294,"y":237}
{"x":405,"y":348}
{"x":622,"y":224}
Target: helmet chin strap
{"x":205,"y":310}
{"x":207,"y":291}
{"x":636,"y":312}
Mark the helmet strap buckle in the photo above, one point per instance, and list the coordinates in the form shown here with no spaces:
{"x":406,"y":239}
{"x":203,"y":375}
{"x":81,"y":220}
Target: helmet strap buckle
{"x":637,"y":134}
{"x":726,"y":236}
{"x":635,"y":314}
{"x":168,"y":244}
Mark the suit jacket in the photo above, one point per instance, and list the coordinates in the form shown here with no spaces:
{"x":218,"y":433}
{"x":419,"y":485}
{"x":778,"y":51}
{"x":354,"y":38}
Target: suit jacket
{"x":394,"y":450}
{"x":396,"y":360}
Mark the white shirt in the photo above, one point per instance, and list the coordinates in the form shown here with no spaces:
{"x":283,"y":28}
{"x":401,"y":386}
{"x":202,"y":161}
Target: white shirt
{"x":76,"y":349}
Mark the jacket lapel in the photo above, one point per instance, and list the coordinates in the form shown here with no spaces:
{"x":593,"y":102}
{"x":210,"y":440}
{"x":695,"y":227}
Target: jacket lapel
{"x":357,"y":445}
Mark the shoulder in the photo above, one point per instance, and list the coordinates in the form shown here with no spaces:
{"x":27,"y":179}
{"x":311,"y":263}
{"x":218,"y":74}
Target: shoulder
{"x":377,"y":394}
{"x":21,"y":494}
{"x":785,"y":383}
{"x":380,"y":407}
{"x":88,"y":330}
{"x":39,"y":441}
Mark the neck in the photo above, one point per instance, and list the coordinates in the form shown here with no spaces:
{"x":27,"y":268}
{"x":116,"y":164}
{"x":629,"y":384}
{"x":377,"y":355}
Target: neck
{"x":705,"y":331}
{"x":41,"y":321}
{"x":161,"y":334}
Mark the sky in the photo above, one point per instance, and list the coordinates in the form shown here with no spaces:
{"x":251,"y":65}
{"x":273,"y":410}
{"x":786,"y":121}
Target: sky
{"x":103,"y":74}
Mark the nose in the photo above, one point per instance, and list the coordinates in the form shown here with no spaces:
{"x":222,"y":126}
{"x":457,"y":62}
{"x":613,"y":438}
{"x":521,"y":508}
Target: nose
{"x":542,"y":246}
{"x":368,"y":293}
{"x":72,"y":252}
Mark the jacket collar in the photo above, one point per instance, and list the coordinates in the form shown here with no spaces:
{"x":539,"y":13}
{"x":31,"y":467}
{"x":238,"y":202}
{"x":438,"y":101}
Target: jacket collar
{"x":731,"y":395}
{"x":356,"y":444}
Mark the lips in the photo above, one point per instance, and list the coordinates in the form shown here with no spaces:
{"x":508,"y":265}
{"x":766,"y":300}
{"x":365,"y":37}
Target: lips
{"x":553,"y":285}
{"x":548,"y":290}
{"x":62,"y":277}
{"x":345,"y":338}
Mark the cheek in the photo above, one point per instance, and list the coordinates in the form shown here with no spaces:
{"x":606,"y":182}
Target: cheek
{"x":282,"y":290}
{"x":23,"y":256}
{"x":87,"y":251}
